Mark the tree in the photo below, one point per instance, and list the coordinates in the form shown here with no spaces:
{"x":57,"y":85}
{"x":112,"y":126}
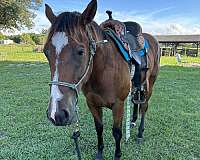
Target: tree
{"x":2,"y":37}
{"x":15,"y":38}
{"x":18,"y":13}
{"x":35,"y":38}
{"x":26,"y":38}
{"x":39,"y":39}
{"x":44,"y":31}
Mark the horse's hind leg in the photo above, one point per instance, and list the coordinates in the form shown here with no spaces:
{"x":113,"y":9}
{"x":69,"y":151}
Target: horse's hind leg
{"x":117,"y":110}
{"x":97,"y":114}
{"x":135,"y":115}
{"x":143,"y":109}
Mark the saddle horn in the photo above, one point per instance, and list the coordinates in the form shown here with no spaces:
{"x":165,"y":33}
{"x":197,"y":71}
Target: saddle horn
{"x":109,"y":14}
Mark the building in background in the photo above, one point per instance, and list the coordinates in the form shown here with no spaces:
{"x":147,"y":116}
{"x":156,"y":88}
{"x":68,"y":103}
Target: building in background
{"x":8,"y":41}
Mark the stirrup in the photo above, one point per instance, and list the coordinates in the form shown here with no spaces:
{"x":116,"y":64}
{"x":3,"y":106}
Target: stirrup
{"x":139,"y":101}
{"x":136,"y":97}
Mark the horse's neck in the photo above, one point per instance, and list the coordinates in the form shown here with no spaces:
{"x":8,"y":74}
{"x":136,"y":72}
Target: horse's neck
{"x":97,"y":32}
{"x":107,"y":64}
{"x":103,"y":49}
{"x":107,"y":59}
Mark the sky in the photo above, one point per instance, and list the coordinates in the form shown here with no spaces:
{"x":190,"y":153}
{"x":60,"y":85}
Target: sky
{"x":158,"y":17}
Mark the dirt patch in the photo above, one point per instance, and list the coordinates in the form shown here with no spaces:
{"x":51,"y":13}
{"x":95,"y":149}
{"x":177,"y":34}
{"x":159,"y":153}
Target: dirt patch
{"x":192,"y":65}
{"x":24,"y":64}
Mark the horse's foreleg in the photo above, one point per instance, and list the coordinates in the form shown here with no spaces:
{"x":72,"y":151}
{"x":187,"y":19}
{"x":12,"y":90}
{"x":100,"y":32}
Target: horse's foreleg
{"x":97,"y":114}
{"x":118,"y":110}
{"x":141,"y":129}
{"x":135,"y":115}
{"x":99,"y":130}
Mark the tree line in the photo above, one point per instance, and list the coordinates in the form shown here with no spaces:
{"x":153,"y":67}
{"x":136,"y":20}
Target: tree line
{"x":26,"y":38}
{"x":19,"y":14}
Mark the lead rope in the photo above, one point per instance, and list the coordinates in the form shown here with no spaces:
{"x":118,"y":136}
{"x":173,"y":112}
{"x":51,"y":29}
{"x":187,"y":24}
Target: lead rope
{"x":76,"y":133}
{"x":92,"y":50}
{"x":129,"y":104}
{"x":75,"y":136}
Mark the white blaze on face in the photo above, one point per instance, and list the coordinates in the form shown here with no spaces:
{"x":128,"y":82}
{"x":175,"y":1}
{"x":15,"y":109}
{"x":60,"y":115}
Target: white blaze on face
{"x":59,"y":41}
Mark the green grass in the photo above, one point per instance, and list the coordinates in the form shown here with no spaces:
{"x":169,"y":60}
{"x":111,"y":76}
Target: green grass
{"x":25,"y":56}
{"x":20,"y":53}
{"x":167,"y":60}
{"x":172,"y":122}
{"x":16,"y":48}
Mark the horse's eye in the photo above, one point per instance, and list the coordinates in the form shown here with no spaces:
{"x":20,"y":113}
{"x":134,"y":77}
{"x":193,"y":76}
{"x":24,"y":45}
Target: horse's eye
{"x":81,"y":52}
{"x":46,"y":52}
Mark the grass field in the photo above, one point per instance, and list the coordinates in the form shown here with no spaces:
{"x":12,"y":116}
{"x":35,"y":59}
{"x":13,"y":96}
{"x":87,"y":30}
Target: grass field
{"x":172,"y":122}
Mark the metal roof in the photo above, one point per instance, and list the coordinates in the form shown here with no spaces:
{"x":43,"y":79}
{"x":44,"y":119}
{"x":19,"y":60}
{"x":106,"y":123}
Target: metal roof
{"x":178,"y":38}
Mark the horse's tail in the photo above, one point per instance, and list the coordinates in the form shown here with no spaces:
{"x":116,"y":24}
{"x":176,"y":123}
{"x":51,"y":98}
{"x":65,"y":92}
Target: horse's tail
{"x":154,"y":51}
{"x":158,"y":52}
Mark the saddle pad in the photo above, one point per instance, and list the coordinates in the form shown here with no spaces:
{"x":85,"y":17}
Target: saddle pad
{"x":120,"y":45}
{"x":137,"y":55}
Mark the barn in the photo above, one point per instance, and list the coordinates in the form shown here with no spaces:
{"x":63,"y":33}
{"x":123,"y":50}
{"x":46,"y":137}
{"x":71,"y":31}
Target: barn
{"x":172,"y":42}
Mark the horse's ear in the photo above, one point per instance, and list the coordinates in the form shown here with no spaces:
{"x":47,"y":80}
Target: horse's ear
{"x":49,"y":13}
{"x":88,"y":14}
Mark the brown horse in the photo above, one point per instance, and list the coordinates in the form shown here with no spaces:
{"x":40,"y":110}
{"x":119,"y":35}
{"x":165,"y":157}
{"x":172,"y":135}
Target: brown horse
{"x":104,"y":77}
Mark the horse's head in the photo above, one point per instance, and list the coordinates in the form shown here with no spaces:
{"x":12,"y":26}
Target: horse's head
{"x":67,"y":51}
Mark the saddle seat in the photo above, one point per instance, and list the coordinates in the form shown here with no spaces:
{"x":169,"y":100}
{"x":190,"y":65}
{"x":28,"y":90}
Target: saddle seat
{"x":128,"y":38}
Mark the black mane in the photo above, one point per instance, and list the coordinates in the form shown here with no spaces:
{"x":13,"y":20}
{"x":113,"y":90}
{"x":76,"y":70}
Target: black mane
{"x":71,"y":23}
{"x":66,"y":22}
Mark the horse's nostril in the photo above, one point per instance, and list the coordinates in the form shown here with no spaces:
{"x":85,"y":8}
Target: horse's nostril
{"x":66,"y":114}
{"x":61,"y":117}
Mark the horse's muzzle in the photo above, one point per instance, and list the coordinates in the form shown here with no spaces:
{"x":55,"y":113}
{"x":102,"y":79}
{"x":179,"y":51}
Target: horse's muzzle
{"x":62,"y":118}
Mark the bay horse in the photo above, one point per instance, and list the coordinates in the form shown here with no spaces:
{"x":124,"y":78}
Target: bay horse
{"x":77,"y":62}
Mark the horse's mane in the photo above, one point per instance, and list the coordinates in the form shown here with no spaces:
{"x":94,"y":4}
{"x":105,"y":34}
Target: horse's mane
{"x":70,"y":22}
{"x":66,"y":22}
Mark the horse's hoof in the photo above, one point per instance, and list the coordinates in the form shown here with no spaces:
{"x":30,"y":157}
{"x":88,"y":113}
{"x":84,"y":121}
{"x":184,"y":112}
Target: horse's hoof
{"x":117,"y":158}
{"x":139,"y":140}
{"x":99,"y":156}
{"x":133,"y":124}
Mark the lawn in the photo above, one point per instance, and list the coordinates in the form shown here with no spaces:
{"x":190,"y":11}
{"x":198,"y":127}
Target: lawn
{"x":172,"y":122}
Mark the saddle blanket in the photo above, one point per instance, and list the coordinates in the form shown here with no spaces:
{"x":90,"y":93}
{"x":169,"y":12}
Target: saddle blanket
{"x":127,"y":54}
